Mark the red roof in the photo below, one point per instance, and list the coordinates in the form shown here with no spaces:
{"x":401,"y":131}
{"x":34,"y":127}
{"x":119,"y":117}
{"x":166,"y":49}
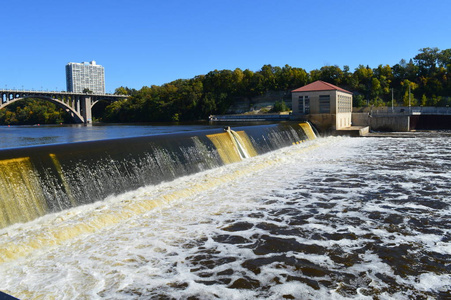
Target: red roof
{"x":320,"y":85}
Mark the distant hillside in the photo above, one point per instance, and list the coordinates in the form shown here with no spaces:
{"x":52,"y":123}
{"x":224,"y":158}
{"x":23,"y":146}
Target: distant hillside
{"x":256,"y":103}
{"x":427,"y":77}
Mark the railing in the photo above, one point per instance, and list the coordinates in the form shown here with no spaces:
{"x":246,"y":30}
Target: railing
{"x":413,"y":110}
{"x":16,"y":91}
{"x":256,"y":117}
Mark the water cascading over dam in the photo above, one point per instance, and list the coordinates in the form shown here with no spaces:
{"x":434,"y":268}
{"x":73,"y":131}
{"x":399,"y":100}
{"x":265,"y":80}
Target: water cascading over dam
{"x":35,"y":181}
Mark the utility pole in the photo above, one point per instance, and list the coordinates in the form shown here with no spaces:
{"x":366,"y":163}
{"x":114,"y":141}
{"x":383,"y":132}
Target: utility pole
{"x":410,"y":109}
{"x":392,"y":109}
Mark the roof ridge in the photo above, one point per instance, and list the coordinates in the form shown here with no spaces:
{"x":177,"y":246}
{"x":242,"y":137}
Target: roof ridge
{"x":329,"y":84}
{"x":320,"y":85}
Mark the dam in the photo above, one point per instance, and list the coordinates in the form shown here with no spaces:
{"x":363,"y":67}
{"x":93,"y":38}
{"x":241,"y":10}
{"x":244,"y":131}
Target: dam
{"x":35,"y":181}
{"x":325,"y":218}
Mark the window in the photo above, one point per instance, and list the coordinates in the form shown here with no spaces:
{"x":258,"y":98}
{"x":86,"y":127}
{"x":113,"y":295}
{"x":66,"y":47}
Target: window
{"x":324,"y":104}
{"x":307,"y":104}
{"x":304,"y":105}
{"x":344,"y":103}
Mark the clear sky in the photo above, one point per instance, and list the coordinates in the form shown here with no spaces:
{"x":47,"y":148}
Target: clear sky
{"x":146,"y":42}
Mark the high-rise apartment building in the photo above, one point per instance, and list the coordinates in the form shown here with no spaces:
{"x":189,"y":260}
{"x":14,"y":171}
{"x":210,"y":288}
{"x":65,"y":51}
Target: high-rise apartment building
{"x":81,"y":76}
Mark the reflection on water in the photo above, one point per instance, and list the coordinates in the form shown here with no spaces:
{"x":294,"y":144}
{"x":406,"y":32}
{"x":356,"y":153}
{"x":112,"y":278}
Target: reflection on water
{"x":29,"y":140}
{"x":22,"y":136}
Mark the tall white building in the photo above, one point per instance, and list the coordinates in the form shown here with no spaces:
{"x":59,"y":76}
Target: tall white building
{"x":81,"y":76}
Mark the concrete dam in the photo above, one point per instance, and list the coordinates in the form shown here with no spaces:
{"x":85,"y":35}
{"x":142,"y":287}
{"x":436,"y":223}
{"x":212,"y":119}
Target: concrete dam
{"x":36,"y":181}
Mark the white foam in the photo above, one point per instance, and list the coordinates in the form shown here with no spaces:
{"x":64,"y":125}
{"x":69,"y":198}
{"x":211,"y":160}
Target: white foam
{"x":150,"y":251}
{"x":433,"y":282}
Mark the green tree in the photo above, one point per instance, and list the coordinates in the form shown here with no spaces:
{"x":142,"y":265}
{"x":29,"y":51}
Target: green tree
{"x":359,"y":100}
{"x":315,"y":75}
{"x":362,"y":80}
{"x":270,"y":75}
{"x":427,"y":61}
{"x":124,"y":91}
{"x":33,"y":111}
{"x":346,"y":76}
{"x":444,"y":58}
{"x":376,"y":89}
{"x":408,"y":98}
{"x":280,"y":106}
{"x":331,"y":74}
{"x":424,"y":100}
{"x":427,"y":75}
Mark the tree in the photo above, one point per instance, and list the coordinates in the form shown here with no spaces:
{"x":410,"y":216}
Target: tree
{"x":444,"y":58}
{"x":362,"y":80}
{"x":346,"y":75}
{"x":315,"y":75}
{"x":424,"y":100}
{"x":269,"y":74}
{"x":408,"y":98}
{"x":300,"y":77}
{"x":376,"y":89}
{"x":279,"y":106}
{"x":331,"y":74}
{"x":427,"y":60}
{"x":384,"y":75}
{"x":427,"y":75}
{"x":34,"y":111}
{"x":124,"y":91}
{"x":358,"y":101}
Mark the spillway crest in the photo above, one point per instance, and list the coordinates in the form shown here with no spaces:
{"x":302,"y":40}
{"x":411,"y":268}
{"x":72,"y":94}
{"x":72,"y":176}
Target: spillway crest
{"x":35,"y":181}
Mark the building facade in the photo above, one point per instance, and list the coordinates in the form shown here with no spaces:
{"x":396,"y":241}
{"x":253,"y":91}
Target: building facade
{"x":324,"y":103}
{"x":81,"y":76}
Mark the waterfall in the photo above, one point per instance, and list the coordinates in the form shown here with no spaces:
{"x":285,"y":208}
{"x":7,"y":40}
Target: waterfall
{"x":236,"y":139}
{"x":21,"y":196}
{"x":38,"y":180}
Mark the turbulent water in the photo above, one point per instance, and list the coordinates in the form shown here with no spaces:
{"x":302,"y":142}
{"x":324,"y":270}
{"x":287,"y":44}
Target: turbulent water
{"x":334,"y":218}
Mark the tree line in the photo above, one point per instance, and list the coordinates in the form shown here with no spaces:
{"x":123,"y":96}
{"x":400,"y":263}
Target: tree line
{"x":423,"y":80}
{"x":426,"y":78}
{"x":33,"y":111}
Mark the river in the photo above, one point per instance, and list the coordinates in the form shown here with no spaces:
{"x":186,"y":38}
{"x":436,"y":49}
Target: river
{"x":27,"y":135}
{"x":332,"y":218}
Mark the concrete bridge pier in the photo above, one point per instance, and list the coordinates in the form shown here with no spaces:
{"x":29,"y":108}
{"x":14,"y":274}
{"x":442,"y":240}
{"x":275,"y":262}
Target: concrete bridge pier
{"x":86,"y":111}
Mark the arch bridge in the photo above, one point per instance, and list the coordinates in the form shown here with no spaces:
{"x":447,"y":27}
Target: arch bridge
{"x":78,"y":105}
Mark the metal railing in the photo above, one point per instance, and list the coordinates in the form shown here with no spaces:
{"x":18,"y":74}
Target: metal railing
{"x":412,"y":110}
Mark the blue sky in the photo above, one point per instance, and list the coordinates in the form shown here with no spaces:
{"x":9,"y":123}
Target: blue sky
{"x":143,"y":43}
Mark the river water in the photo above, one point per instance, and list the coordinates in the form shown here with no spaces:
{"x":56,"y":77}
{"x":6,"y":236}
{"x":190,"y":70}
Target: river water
{"x":27,"y":135}
{"x":333,"y":218}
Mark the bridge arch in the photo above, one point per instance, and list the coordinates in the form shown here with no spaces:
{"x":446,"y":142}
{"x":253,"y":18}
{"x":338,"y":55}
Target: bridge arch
{"x":102,"y":99}
{"x":78,"y":105}
{"x":74,"y":114}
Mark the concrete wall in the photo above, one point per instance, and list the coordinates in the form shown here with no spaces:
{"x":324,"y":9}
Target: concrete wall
{"x":343,"y":120}
{"x":324,"y":122}
{"x":360,"y":119}
{"x":397,"y":123}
